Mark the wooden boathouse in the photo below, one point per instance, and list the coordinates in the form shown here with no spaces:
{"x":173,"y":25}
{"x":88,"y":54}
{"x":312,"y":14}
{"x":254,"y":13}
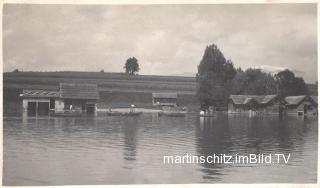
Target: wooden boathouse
{"x":254,"y":103}
{"x":164,"y":99}
{"x":301,"y":105}
{"x":70,"y":97}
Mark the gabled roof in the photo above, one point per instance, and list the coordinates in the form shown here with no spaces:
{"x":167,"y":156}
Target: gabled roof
{"x":294,"y":100}
{"x":245,"y":99}
{"x":315,"y":99}
{"x":78,"y":91}
{"x":165,"y":95}
{"x":267,"y":98}
{"x":32,"y":93}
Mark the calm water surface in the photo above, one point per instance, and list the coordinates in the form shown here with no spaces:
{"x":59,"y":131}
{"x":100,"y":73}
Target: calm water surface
{"x":130,"y":150}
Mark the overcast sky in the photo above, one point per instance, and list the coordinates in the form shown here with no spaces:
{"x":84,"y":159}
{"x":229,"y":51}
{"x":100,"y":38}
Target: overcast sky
{"x":166,"y":39}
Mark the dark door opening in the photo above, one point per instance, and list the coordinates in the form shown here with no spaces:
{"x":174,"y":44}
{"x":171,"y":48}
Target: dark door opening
{"x":43,"y":108}
{"x":52,"y":104}
{"x":305,"y":109}
{"x":32,"y":108}
{"x":90,"y":108}
{"x":83,"y":106}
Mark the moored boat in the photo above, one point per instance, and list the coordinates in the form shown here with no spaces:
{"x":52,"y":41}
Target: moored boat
{"x":173,"y":113}
{"x":207,"y":115}
{"x":66,"y":114}
{"x":124,"y":113}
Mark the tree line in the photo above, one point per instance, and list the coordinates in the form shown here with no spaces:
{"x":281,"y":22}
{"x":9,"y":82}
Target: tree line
{"x":217,"y":78}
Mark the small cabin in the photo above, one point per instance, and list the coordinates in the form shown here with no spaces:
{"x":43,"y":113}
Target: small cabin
{"x":301,"y":105}
{"x":256,"y":103}
{"x":165,"y":99}
{"x":70,"y":97}
{"x":82,"y":97}
{"x":40,"y":102}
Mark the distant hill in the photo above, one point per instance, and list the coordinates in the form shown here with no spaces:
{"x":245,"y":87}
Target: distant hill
{"x":105,"y":81}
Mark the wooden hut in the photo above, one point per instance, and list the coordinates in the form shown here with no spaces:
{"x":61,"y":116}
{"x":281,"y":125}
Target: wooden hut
{"x":301,"y":105}
{"x":69,"y":97}
{"x":82,"y":97}
{"x":164,"y":99}
{"x":256,"y":103}
{"x":39,"y":102}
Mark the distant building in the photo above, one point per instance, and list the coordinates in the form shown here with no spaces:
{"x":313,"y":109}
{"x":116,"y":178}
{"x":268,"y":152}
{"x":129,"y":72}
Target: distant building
{"x":255,"y":103}
{"x":70,"y":97}
{"x":301,"y":105}
{"x":164,"y":99}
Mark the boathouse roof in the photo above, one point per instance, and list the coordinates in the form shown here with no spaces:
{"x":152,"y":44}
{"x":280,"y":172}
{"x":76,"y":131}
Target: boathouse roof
{"x":245,"y":99}
{"x":32,"y":93}
{"x":78,"y":91}
{"x":295,"y":100}
{"x":165,"y":95}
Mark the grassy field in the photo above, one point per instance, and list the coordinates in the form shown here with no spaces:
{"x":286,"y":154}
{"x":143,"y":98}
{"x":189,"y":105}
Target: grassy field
{"x":116,"y":89}
{"x":105,"y":81}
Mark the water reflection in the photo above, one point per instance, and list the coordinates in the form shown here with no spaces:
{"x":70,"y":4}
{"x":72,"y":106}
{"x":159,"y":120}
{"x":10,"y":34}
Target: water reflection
{"x":130,"y":130}
{"x":244,"y":136}
{"x":125,"y":150}
{"x":212,"y":136}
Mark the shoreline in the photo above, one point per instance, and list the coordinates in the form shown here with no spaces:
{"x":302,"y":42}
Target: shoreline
{"x":143,"y":110}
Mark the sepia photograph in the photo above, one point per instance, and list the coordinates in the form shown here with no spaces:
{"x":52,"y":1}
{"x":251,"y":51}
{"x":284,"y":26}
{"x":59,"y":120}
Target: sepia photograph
{"x":131,"y":94}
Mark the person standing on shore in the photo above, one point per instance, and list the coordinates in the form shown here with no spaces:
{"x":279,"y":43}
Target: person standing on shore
{"x":132,"y":108}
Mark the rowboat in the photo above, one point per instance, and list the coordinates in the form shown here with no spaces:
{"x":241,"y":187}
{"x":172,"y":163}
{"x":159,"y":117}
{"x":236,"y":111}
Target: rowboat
{"x":124,"y":113}
{"x":68,"y":114}
{"x":172,"y":113}
{"x":207,"y":115}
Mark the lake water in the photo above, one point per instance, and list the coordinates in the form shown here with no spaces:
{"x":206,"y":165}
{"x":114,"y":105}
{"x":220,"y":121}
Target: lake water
{"x":130,"y":150}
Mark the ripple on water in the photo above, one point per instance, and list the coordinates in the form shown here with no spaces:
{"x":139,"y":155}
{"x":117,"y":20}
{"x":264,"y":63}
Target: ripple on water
{"x":124,"y":150}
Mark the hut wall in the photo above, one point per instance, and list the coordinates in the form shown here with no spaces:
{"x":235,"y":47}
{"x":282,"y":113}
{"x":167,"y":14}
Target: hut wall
{"x":266,"y":109}
{"x":25,"y":104}
{"x":271,"y":109}
{"x":27,"y":100}
{"x":59,"y":105}
{"x":165,"y":101}
{"x":231,"y":108}
{"x":293,"y":110}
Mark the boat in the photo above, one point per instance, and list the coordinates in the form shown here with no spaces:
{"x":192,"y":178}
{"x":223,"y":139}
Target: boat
{"x":172,"y":113}
{"x":207,"y":115}
{"x":66,"y":114}
{"x":124,"y":113}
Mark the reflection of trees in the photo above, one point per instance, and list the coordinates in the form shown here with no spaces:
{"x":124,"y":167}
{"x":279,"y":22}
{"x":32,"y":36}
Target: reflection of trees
{"x":212,"y":138}
{"x":129,"y":129}
{"x":244,"y":135}
{"x":265,"y":135}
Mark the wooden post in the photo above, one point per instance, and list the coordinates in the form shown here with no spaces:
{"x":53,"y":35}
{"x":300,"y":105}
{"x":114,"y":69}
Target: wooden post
{"x":36,"y":108}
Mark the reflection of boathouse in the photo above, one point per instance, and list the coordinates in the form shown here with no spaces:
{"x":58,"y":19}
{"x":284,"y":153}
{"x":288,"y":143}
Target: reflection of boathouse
{"x":301,"y":105}
{"x":165,"y":99}
{"x":70,"y":96}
